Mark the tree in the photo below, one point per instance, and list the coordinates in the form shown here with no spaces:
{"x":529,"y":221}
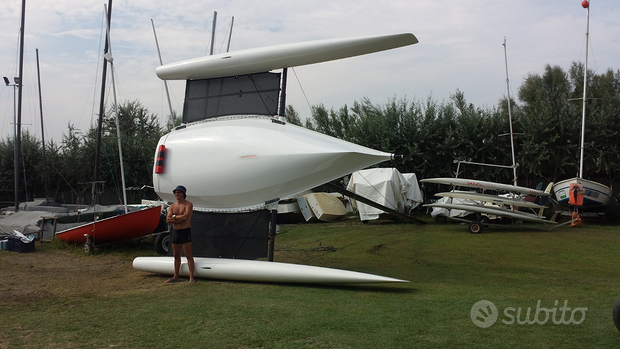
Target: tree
{"x":140,"y":132}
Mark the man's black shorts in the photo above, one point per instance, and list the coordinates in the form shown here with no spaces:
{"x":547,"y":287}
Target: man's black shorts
{"x":182,"y":236}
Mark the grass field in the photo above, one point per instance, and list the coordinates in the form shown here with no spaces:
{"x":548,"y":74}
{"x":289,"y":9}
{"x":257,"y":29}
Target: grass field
{"x":450,"y":270}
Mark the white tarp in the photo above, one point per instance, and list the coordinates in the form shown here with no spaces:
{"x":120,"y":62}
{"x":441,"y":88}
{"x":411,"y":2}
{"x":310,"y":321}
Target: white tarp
{"x":440,"y":211}
{"x":385,"y":186}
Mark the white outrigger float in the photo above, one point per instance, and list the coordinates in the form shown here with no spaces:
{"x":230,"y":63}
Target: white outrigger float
{"x":259,"y":271}
{"x":243,"y":161}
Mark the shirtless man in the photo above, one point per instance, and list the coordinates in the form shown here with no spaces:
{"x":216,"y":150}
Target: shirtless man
{"x":180,"y":216}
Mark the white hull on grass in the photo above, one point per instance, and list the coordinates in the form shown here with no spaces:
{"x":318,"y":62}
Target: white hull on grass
{"x":258,"y":271}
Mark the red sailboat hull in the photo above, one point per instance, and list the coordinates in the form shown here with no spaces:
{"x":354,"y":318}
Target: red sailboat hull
{"x":115,"y":229}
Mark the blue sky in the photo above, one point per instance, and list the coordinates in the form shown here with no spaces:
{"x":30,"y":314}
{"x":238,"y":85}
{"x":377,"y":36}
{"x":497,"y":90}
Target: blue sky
{"x":460,"y":48}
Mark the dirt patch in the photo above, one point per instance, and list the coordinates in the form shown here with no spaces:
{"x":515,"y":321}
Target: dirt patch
{"x":377,"y":248}
{"x":61,"y":274}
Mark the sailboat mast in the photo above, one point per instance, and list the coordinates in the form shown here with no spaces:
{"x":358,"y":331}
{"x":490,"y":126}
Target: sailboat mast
{"x":232,"y":22}
{"x":101,"y":111}
{"x":108,"y":57}
{"x":42,"y":130}
{"x":18,"y":123}
{"x":213,"y":32}
{"x":161,"y":62}
{"x":585,"y":83}
{"x":512,"y":138}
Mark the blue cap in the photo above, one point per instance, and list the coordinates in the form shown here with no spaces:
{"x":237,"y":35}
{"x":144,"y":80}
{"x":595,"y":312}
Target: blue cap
{"x":180,"y":188}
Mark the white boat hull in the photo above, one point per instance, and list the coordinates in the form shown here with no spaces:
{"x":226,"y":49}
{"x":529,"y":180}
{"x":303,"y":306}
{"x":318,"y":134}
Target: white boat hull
{"x":499,"y":200}
{"x":484,"y":185}
{"x":258,"y":271}
{"x":491,"y":210}
{"x":239,"y":163}
{"x":595,"y":194}
{"x":280,"y":56}
{"x":326,"y":207}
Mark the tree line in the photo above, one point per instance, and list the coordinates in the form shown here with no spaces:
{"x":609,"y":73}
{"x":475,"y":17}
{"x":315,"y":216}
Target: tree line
{"x":429,"y":134}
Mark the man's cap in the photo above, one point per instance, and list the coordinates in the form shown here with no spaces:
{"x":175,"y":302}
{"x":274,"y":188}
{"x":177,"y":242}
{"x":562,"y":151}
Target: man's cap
{"x":180,"y":188}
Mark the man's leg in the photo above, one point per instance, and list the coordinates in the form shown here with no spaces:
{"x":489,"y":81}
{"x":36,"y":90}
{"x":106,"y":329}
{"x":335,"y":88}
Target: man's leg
{"x":177,"y":249}
{"x":187,"y":248}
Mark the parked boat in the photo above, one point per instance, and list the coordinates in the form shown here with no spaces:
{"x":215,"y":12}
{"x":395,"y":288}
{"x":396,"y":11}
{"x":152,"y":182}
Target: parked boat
{"x":326,"y":207}
{"x":119,"y":228}
{"x":594,"y":195}
{"x":585,"y":193}
{"x":123,"y":227}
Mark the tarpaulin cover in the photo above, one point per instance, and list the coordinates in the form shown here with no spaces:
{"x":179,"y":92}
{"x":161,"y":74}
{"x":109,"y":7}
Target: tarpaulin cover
{"x":385,"y":186}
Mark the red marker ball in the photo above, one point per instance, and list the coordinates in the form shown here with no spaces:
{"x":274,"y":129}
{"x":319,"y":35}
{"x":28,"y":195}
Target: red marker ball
{"x":585,"y":3}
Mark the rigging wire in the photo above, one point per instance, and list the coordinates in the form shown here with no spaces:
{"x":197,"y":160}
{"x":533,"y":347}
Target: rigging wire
{"x":302,"y":88}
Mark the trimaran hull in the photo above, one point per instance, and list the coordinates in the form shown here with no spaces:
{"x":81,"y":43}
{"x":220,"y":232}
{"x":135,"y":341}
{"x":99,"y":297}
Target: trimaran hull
{"x":239,"y":163}
{"x":258,"y":271}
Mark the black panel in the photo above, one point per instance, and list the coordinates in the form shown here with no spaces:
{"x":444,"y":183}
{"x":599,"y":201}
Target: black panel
{"x":234,"y":95}
{"x":230,"y":235}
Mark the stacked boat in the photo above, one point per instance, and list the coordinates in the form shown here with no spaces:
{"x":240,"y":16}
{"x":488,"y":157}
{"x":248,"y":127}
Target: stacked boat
{"x":516,"y":202}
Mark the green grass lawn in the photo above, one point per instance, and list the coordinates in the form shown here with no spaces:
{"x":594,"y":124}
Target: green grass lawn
{"x":449,"y":271}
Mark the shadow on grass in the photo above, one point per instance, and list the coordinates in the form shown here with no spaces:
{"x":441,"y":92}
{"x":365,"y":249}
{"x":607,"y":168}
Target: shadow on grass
{"x":385,"y":288}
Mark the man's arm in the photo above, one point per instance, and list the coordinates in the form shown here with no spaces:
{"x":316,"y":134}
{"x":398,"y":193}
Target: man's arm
{"x":185,"y":214}
{"x":169,"y":218}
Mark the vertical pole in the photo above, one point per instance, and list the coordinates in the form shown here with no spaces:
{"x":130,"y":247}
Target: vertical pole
{"x":101,"y":111}
{"x":18,"y":123}
{"x":161,"y":62}
{"x":42,"y":130}
{"x":272,"y":233}
{"x":512,"y":138}
{"x":118,"y":129}
{"x":230,"y":35}
{"x":213,"y":32}
{"x":585,"y":83}
{"x":283,"y":93}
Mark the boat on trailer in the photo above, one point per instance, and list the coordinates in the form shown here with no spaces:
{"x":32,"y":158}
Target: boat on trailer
{"x":119,"y":228}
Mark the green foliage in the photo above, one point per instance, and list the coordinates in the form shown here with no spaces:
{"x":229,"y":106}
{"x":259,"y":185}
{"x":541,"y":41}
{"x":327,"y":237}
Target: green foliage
{"x":70,"y":168}
{"x":546,"y":130}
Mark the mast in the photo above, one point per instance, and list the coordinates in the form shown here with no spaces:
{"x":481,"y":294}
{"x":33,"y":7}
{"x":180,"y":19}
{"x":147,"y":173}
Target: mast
{"x":232,"y":22}
{"x":108,"y":57}
{"x":42,"y":130}
{"x":512,"y":138}
{"x":101,"y":110}
{"x":213,"y":31}
{"x":161,"y":62}
{"x":585,"y":4}
{"x":18,"y":123}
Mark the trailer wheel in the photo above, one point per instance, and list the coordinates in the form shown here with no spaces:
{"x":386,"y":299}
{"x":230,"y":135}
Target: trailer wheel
{"x":616,"y":313}
{"x":475,"y":227}
{"x":162,"y":243}
{"x":88,"y":247}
